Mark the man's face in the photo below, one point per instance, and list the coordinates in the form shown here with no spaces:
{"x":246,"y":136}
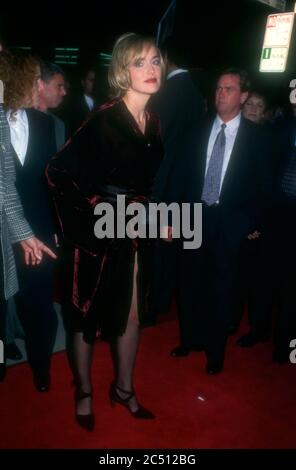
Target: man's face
{"x":89,"y":82}
{"x":229,"y":96}
{"x":53,"y":92}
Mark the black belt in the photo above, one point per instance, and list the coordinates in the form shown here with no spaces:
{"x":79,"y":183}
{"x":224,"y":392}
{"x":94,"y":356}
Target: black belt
{"x":110,"y":192}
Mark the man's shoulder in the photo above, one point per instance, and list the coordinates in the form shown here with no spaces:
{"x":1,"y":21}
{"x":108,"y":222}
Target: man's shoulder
{"x":38,"y":118}
{"x":179,"y":80}
{"x":256,"y":131}
{"x":247,"y":124}
{"x":58,"y":121}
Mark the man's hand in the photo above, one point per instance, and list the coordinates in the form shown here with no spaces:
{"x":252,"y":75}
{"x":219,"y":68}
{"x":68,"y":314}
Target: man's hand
{"x":34,"y":250}
{"x":166,"y":233}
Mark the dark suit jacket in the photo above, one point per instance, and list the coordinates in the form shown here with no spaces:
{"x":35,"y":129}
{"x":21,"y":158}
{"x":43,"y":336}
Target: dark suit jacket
{"x":30,"y":178}
{"x":247,"y":187}
{"x":285,"y":134}
{"x":179,"y":106}
{"x":77,"y":113}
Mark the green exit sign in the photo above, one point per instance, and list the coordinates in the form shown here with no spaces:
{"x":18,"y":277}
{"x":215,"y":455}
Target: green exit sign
{"x":266,"y":53}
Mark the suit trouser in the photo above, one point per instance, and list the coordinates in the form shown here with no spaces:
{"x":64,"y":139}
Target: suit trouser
{"x":261,"y":288}
{"x":255,"y":284}
{"x":164,"y":276}
{"x":208,"y":284}
{"x":285,"y":246}
{"x":34,"y":304}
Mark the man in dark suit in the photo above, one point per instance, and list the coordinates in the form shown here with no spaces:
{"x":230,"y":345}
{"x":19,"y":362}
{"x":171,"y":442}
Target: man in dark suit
{"x":179,"y":106}
{"x":179,"y":103}
{"x":34,"y":301}
{"x":281,"y":254}
{"x":284,"y":233}
{"x":14,"y":228}
{"x":83,"y":104}
{"x":226,"y":168}
{"x":51,"y":94}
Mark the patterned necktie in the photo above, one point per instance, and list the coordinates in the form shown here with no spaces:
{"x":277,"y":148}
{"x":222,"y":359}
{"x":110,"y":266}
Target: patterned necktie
{"x":211,"y":188}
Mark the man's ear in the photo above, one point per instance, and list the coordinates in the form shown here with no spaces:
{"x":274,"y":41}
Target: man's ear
{"x":41,"y":85}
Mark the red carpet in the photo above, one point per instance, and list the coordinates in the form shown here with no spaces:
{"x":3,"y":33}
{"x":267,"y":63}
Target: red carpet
{"x":250,"y":405}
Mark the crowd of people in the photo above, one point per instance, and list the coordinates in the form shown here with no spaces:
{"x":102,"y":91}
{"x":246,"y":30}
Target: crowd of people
{"x":153,"y":140}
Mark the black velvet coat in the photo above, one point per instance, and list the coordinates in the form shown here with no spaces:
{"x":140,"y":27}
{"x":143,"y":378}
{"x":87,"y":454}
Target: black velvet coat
{"x":109,"y":155}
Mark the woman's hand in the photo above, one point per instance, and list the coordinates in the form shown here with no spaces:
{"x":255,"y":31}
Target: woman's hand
{"x":34,"y":250}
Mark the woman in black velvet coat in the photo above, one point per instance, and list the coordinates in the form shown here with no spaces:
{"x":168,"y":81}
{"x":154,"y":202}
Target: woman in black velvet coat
{"x":117,"y":152}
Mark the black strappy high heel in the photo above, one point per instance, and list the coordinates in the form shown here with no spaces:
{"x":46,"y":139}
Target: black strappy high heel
{"x":86,"y":421}
{"x":140,"y":413}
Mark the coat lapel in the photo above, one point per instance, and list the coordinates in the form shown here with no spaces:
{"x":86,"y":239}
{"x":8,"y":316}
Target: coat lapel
{"x":237,"y":162}
{"x":29,"y":146}
{"x":202,"y":152}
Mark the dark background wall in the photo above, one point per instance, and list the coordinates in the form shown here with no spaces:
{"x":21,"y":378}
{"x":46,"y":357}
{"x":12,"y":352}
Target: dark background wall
{"x":215,"y":34}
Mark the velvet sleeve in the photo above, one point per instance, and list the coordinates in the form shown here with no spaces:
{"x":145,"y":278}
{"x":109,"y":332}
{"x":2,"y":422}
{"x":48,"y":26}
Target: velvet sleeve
{"x":70,"y":176}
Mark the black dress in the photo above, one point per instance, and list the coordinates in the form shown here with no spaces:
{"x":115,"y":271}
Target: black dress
{"x":109,"y":155}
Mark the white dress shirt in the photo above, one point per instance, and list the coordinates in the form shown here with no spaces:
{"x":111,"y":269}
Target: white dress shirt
{"x":176,"y":72}
{"x":90,"y":102}
{"x":230,"y":135}
{"x":19,"y":133}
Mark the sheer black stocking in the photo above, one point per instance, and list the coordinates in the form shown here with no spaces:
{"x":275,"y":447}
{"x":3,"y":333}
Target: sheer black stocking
{"x":80,"y":356}
{"x":125,"y":350}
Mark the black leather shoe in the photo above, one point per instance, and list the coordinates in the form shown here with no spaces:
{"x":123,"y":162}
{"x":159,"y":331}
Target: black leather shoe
{"x":214,"y":367}
{"x":2,"y":372}
{"x":183,"y":351}
{"x":13,"y":352}
{"x":251,"y":339}
{"x":180,"y":351}
{"x":42,"y":381}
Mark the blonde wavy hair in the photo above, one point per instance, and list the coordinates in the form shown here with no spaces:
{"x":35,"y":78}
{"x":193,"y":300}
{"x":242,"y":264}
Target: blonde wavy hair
{"x":128,"y":47}
{"x":19,"y":75}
